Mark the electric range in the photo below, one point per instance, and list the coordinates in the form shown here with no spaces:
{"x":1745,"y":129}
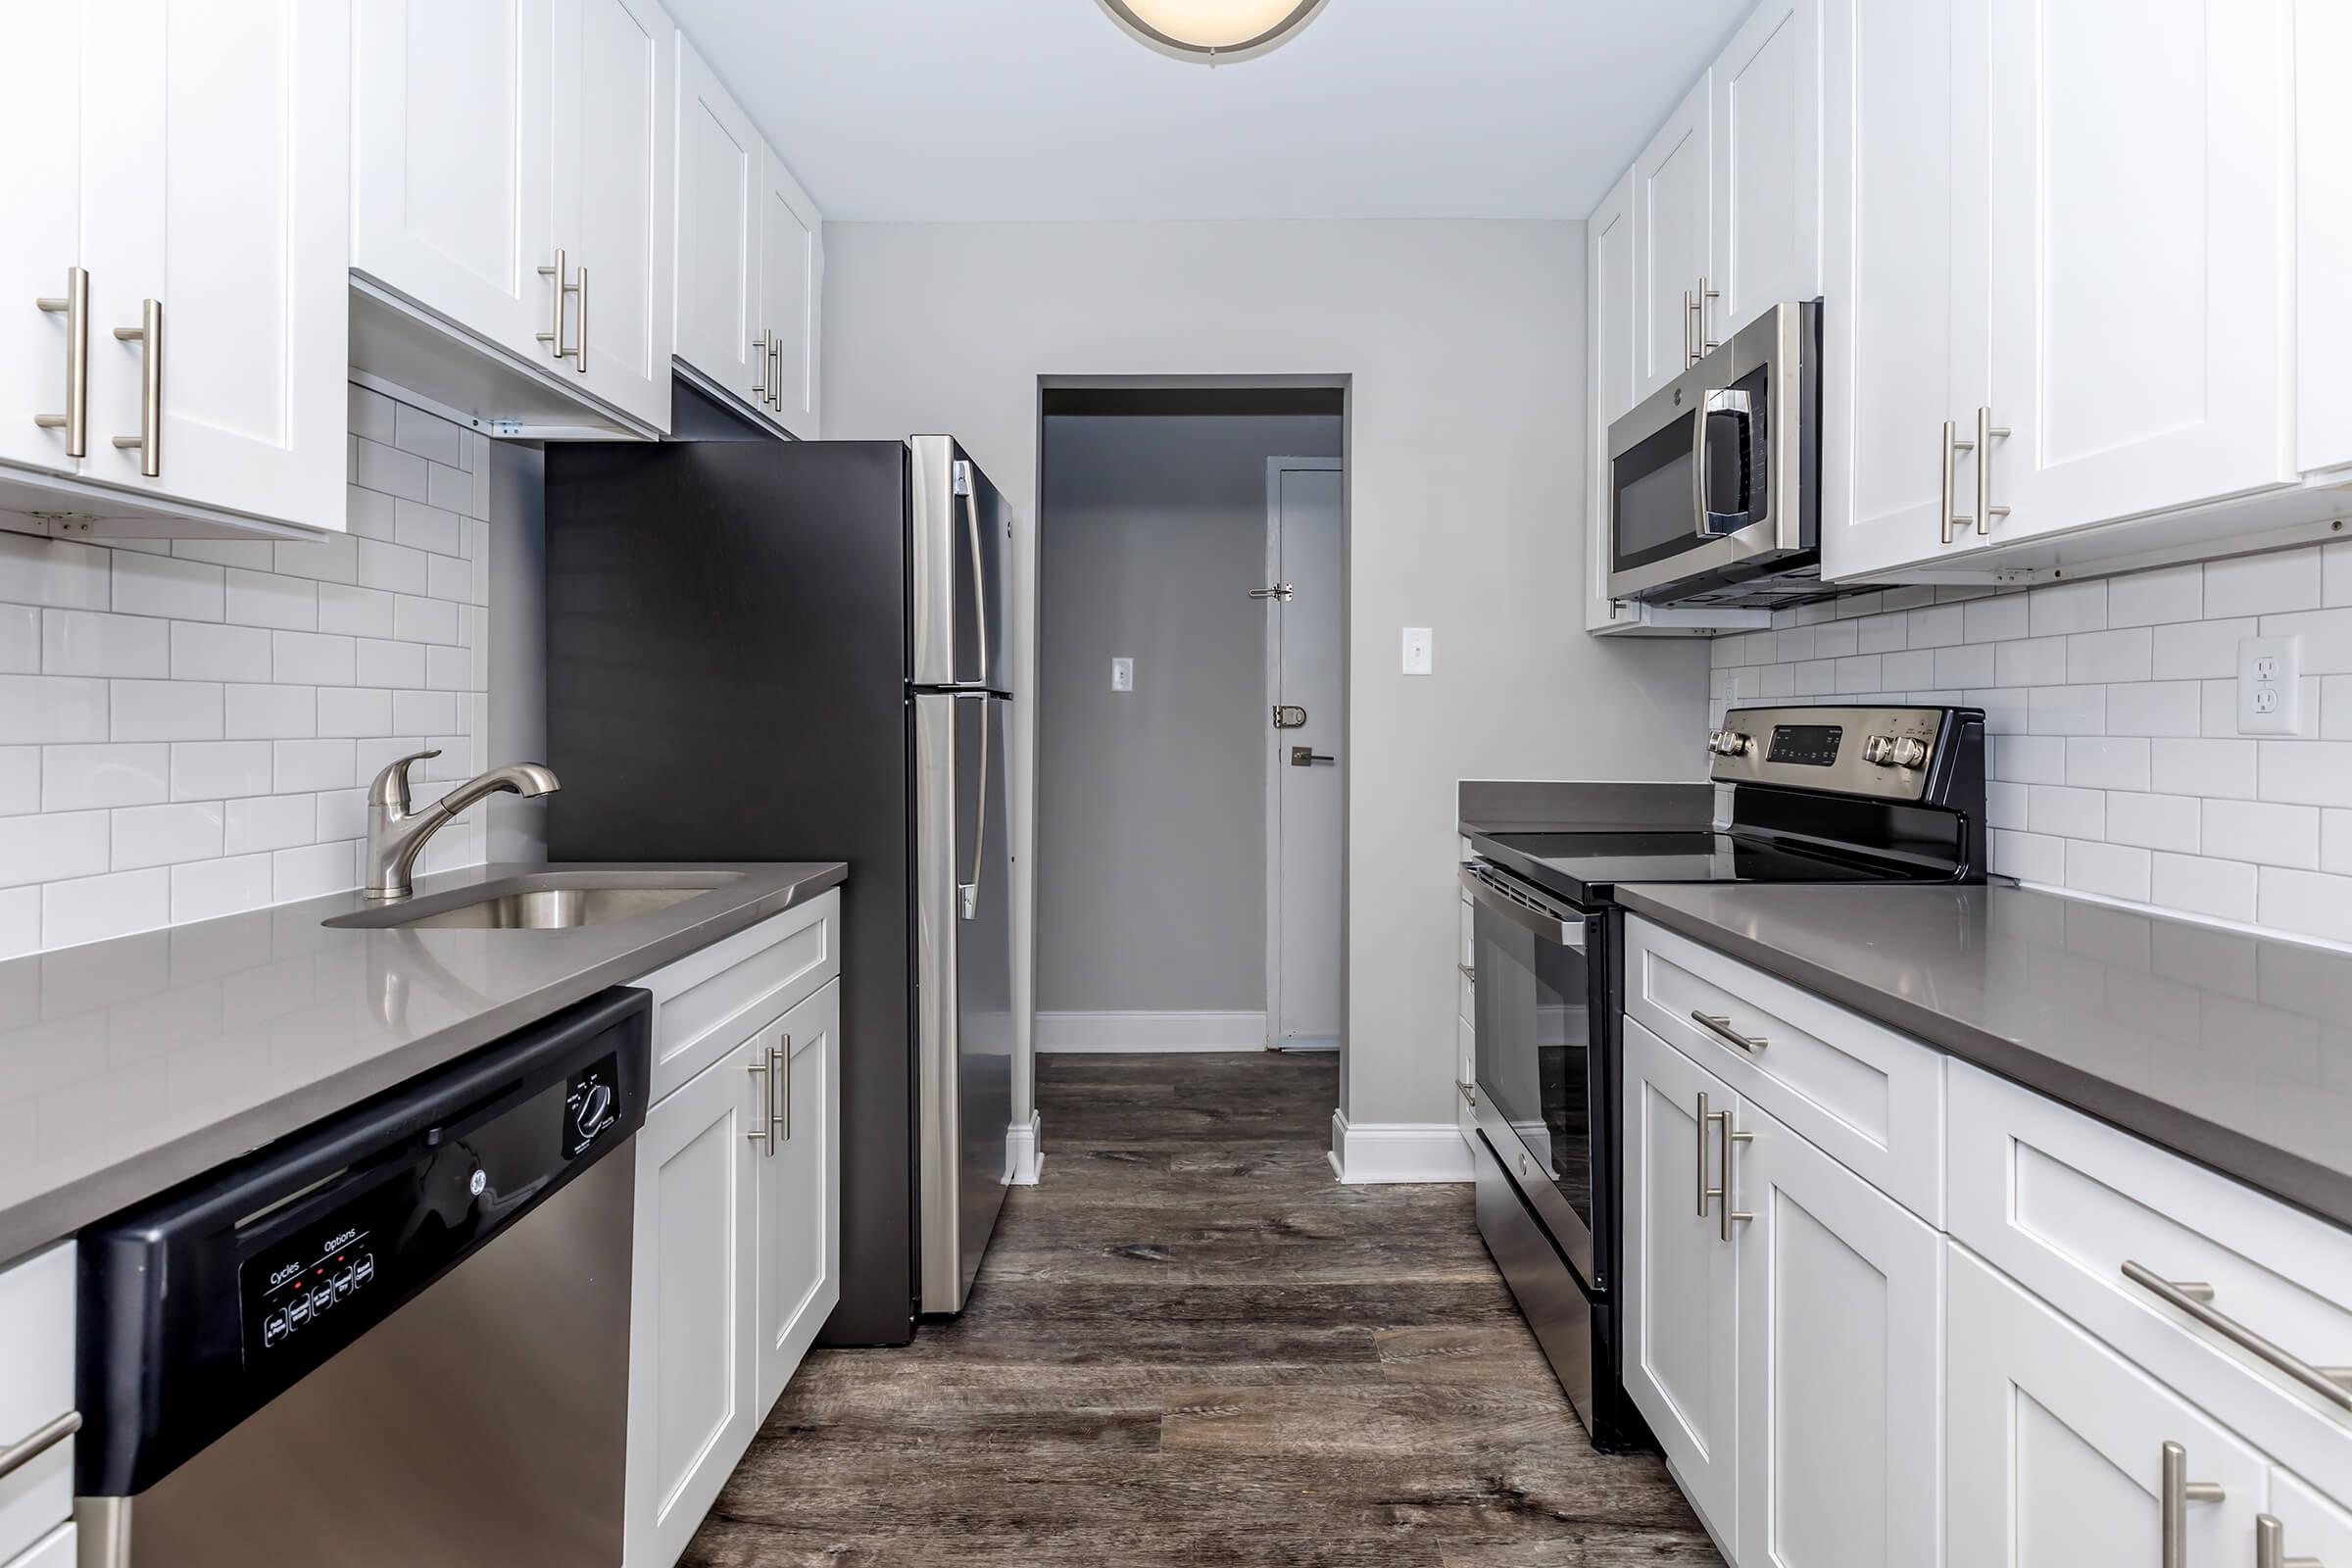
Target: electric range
{"x":1815,"y":794}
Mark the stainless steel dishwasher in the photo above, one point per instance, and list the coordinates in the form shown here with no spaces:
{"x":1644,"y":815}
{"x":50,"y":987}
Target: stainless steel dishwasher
{"x":397,"y":1338}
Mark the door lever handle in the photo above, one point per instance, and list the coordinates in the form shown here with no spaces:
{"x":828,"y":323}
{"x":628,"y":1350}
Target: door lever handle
{"x":1308,"y":757}
{"x":1281,"y":591}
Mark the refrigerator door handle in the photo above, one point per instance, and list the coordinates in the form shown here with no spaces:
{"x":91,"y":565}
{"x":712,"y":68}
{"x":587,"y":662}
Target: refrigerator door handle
{"x":965,"y":492}
{"x":968,"y":894}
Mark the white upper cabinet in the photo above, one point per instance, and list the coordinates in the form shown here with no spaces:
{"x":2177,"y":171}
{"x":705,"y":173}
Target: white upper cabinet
{"x":2142,"y":307}
{"x":614,"y":193}
{"x":1609,"y":313}
{"x":718,"y":155}
{"x":452,"y":178}
{"x":1672,"y":204}
{"x":792,"y":280}
{"x":1904,"y":270}
{"x":2324,"y":233}
{"x":178,"y":192}
{"x":1765,"y":237}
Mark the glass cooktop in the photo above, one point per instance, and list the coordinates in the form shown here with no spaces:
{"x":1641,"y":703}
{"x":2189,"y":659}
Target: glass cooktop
{"x":1587,"y":865}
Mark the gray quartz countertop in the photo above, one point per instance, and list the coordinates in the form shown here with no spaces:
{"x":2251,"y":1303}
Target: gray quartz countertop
{"x":2231,"y":1048}
{"x":127,"y":1066}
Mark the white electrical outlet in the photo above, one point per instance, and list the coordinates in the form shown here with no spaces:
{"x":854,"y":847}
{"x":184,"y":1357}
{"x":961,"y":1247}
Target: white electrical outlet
{"x":1420,"y":658}
{"x":1123,"y":674}
{"x":2270,"y":685}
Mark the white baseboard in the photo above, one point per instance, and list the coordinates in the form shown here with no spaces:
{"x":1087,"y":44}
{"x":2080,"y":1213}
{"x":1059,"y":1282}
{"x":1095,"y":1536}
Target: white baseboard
{"x":1026,"y":1150}
{"x":1366,"y":1153}
{"x":1151,"y":1031}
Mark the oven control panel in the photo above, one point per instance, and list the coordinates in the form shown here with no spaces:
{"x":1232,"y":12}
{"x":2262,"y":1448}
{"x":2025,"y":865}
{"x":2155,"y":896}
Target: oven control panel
{"x":1877,"y":753}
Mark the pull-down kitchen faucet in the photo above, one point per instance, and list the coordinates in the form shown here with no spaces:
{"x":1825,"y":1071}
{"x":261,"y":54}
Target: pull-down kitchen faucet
{"x":394,"y":834}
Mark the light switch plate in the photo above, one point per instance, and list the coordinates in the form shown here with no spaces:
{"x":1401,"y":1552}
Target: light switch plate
{"x":1123,"y":674}
{"x":2270,"y":686}
{"x":1420,"y":658}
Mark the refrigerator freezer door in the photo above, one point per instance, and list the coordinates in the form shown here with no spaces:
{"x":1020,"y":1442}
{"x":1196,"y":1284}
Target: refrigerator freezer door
{"x":963,"y":984}
{"x":956,"y":551}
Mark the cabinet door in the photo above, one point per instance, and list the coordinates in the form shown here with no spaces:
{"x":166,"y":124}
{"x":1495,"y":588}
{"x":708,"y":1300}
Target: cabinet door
{"x":2057,"y":1444}
{"x":40,"y":191}
{"x":2142,"y":187}
{"x":2322,"y":233}
{"x":2309,"y":1525}
{"x":1904,"y":268}
{"x":1765,"y":238}
{"x":691,"y":1303}
{"x":614,"y":185}
{"x":1840,"y":1363}
{"x":1609,"y":331}
{"x":1682,"y":1278}
{"x":451,"y":181}
{"x":799,"y":1195}
{"x":216,"y":183}
{"x":791,"y":278}
{"x":1671,"y":204}
{"x":718,"y":233}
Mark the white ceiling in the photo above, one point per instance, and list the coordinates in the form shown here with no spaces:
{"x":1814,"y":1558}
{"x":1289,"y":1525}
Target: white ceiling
{"x":900,"y":110}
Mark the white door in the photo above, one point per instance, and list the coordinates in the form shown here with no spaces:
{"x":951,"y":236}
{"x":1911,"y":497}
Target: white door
{"x":718,"y":233}
{"x":218,"y":188}
{"x":2057,"y":1445}
{"x":1671,"y":204}
{"x":452,"y":203}
{"x":2322,"y":233}
{"x":691,"y":1295}
{"x":2143,"y":313}
{"x":2308,"y":1525}
{"x":792,"y":277}
{"x":1306,"y":765}
{"x":1609,"y":330}
{"x":800,"y":1197}
{"x":1682,"y":1277}
{"x":1840,"y":1363}
{"x":42,"y":242}
{"x":1904,"y":262}
{"x":1764,"y":239}
{"x":615,"y":192}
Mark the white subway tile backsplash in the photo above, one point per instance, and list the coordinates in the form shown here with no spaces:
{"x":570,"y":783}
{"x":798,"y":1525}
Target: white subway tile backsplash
{"x":1959,"y":669}
{"x":2207,"y":768}
{"x":2032,"y":662}
{"x":1836,"y":640}
{"x":2066,"y":812}
{"x":2327,"y":638}
{"x":2260,"y":585}
{"x":2067,"y":710}
{"x":2336,"y":573}
{"x":2222,"y":889}
{"x":2259,"y":831}
{"x":2155,"y":707}
{"x":2027,"y":758}
{"x":450,"y":670}
{"x":2112,"y":871}
{"x":2173,"y":823}
{"x":2307,"y":902}
{"x":2309,"y":773}
{"x":186,"y":725}
{"x":2027,"y":856}
{"x":1884,"y":634}
{"x":2064,"y":608}
{"x":2335,"y":840}
{"x":1938,"y":628}
{"x":2107,"y":762}
{"x":1915,"y":670}
{"x":2200,"y":649}
{"x":2110,"y":656}
{"x":1862,"y":673}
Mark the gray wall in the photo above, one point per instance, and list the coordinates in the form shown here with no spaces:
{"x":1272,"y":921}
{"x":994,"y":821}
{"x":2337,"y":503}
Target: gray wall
{"x":1152,"y":875}
{"x":1464,"y":348}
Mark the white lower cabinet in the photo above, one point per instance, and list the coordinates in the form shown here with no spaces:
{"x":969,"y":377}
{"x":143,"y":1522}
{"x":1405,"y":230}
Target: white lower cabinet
{"x":737,"y":1262}
{"x":37,"y":1408}
{"x":56,"y":1549}
{"x":2302,"y":1524}
{"x":1789,"y":1357}
{"x":2064,"y":1455}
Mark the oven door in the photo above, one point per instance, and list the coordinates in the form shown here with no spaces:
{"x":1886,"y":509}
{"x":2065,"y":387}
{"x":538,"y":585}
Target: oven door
{"x":1540,"y":1044}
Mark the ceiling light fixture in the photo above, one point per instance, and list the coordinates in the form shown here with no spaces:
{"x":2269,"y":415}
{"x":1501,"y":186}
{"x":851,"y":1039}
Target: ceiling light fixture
{"x":1213,"y":33}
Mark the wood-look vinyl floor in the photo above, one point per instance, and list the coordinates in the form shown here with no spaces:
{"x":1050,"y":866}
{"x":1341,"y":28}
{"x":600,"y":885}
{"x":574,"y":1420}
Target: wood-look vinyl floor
{"x":1190,"y":1345}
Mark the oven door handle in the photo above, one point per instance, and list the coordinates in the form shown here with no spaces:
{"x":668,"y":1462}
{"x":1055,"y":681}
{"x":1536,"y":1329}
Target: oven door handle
{"x":1522,"y":911}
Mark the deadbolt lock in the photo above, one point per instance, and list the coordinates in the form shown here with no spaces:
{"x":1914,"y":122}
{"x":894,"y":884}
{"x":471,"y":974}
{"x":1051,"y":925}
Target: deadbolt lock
{"x":1289,"y":716}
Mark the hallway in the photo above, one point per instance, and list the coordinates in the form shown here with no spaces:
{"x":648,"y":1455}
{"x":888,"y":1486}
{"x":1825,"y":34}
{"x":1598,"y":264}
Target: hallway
{"x":1190,"y":1345}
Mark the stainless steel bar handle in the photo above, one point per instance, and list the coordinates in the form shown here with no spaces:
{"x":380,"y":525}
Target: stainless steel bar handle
{"x":1944,"y":502}
{"x":1706,"y":1119}
{"x":1720,"y":1025}
{"x":2191,"y":1296}
{"x":149,"y":336}
{"x":17,"y":1455}
{"x":782,"y":1078}
{"x":775,"y":373}
{"x":1469,"y":972}
{"x":1467,"y":1090}
{"x":1706,"y":344}
{"x":554,"y":337}
{"x":76,"y":420}
{"x":2270,"y":1547}
{"x":2177,"y":1493}
{"x":579,"y":349}
{"x":759,"y":387}
{"x":1956,"y":444}
{"x":1729,"y":1211}
{"x":1688,"y":355}
{"x":763,"y":1125}
{"x":968,"y":893}
{"x":1986,"y":433}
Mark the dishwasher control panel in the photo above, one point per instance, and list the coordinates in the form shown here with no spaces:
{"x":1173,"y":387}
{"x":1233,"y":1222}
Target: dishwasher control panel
{"x":303,"y":1281}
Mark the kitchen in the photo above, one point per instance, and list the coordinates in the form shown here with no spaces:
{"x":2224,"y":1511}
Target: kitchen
{"x":1935,"y":408}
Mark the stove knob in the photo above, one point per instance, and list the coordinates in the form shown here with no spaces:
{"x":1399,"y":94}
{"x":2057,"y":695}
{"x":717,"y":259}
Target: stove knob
{"x":1895,"y":751}
{"x":1729,"y":743}
{"x":595,"y":1107}
{"x":1879,"y":751}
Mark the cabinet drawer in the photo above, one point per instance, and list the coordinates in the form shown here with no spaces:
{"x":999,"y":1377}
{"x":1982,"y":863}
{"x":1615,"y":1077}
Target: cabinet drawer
{"x":1868,"y":1097}
{"x":1465,"y":993}
{"x":1469,"y":942}
{"x":36,"y":1391}
{"x":706,"y":1002}
{"x":2062,"y":1204}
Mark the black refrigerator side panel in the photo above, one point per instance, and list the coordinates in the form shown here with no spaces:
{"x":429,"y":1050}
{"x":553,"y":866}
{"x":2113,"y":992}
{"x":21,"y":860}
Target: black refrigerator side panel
{"x":726,"y":646}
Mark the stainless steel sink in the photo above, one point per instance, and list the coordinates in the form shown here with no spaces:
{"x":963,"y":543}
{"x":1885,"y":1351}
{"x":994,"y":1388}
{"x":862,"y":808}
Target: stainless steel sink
{"x":547,"y":900}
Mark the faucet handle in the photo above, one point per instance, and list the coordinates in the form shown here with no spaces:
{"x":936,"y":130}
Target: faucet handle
{"x":391,"y":787}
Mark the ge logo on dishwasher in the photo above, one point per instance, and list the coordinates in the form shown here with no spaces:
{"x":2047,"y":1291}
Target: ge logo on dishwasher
{"x":477,"y":1183}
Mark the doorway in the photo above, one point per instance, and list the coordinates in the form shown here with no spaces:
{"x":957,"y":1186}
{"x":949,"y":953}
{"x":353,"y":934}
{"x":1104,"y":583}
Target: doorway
{"x":1189,"y":893}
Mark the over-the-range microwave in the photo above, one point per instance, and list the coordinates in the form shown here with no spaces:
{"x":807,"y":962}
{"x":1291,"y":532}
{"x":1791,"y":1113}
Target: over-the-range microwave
{"x":1714,"y":483}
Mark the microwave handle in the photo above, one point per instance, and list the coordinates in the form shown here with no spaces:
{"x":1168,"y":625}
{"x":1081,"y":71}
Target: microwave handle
{"x":1741,"y":405}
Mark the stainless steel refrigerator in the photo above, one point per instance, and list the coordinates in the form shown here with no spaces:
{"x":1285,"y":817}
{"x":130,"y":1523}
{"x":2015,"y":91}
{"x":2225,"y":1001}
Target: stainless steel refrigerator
{"x":759,"y":651}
